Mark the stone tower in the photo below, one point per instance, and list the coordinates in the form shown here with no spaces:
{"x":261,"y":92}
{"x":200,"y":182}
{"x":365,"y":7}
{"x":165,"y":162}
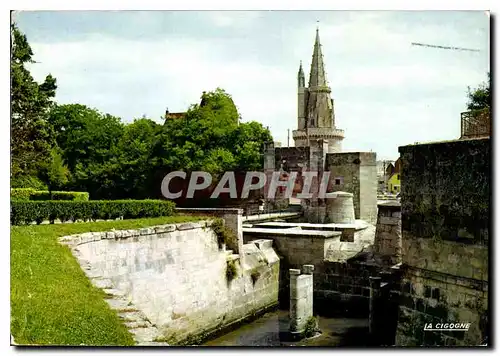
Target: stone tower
{"x":316,"y":115}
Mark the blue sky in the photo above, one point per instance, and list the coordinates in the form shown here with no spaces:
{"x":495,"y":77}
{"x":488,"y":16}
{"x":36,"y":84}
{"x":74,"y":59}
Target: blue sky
{"x":387,"y":93}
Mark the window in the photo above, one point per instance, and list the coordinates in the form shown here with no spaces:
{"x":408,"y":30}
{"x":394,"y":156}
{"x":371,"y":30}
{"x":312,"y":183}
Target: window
{"x":397,"y":177}
{"x":339,"y":180}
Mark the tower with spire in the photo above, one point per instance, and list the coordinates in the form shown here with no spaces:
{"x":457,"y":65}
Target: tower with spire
{"x":316,"y":115}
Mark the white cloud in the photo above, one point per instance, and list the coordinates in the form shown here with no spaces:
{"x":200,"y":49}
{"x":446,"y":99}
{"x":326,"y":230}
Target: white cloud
{"x":233,"y":18}
{"x":384,"y":89}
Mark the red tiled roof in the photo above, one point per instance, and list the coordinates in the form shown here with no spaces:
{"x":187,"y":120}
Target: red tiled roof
{"x":175,"y":115}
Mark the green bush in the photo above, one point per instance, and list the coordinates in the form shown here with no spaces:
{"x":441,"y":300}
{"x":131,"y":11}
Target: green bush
{"x":311,"y":327}
{"x":223,"y":233}
{"x":26,"y":212}
{"x":46,"y":195}
{"x":21,"y":193}
{"x":231,"y":270}
{"x":28,"y":182}
{"x":33,"y":194}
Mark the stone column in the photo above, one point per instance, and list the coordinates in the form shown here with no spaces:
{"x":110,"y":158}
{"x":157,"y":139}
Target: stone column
{"x":269,"y":168}
{"x":374,"y":303}
{"x":301,"y":298}
{"x":316,"y":211}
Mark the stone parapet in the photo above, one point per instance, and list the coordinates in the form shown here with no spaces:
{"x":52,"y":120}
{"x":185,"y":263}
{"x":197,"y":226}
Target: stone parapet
{"x":318,"y":132}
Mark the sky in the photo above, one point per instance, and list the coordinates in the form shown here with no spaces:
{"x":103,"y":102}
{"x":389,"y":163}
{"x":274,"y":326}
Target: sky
{"x":387,"y":92}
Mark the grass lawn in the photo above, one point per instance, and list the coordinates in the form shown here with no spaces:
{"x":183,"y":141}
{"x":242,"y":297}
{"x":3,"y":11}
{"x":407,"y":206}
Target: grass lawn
{"x":52,"y":301}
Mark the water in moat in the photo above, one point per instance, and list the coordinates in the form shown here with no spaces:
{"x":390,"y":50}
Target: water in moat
{"x":272,"y":330}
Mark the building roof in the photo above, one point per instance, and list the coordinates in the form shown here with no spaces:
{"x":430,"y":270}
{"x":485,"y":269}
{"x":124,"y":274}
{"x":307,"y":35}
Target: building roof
{"x":317,"y":76}
{"x":175,"y":115}
{"x":397,"y":166}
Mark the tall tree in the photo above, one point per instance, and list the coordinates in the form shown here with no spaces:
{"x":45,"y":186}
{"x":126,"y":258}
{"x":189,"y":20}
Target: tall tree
{"x":211,"y":138}
{"x":88,"y":140}
{"x":30,"y":102}
{"x":54,"y":172}
{"x":480,"y":98}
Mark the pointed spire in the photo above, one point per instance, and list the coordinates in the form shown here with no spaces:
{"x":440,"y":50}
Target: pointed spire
{"x":317,"y":77}
{"x":300,"y":77}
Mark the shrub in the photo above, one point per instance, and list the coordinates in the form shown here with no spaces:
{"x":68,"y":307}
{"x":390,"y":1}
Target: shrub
{"x":21,"y":193}
{"x":311,"y":327}
{"x":27,"y":182}
{"x":33,"y":194}
{"x":231,"y":270}
{"x":224,"y":234}
{"x":25,"y":212}
{"x":46,"y":195}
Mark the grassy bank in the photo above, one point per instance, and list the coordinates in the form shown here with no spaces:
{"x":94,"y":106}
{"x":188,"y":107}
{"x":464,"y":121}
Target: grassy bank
{"x":52,"y":301}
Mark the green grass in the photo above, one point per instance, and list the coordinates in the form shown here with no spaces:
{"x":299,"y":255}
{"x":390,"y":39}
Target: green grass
{"x":52,"y":300}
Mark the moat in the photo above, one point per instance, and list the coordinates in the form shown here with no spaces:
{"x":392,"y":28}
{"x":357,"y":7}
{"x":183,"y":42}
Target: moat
{"x":272,"y":330}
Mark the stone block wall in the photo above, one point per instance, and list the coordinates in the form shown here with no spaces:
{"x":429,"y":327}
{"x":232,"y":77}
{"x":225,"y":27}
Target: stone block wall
{"x":430,"y":297}
{"x":344,"y":286}
{"x":445,"y":202}
{"x":298,"y":247}
{"x":233,"y":220}
{"x":388,"y":232}
{"x":357,"y":172}
{"x":445,"y":190}
{"x":295,"y":248}
{"x":176,"y":275}
{"x":296,"y":158}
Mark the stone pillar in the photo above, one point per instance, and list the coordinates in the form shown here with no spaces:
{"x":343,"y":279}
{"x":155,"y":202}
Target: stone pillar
{"x":269,"y":168}
{"x":316,"y":211}
{"x":388,"y":242}
{"x":301,"y":298}
{"x":374,"y":301}
{"x":341,"y":208}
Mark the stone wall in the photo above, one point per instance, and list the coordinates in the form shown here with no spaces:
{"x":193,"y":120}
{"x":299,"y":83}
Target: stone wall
{"x":296,"y":248}
{"x":339,"y":287}
{"x":357,"y":173}
{"x":233,"y":219}
{"x":344,"y":287}
{"x":388,"y":232}
{"x":177,"y":277}
{"x":445,"y":201}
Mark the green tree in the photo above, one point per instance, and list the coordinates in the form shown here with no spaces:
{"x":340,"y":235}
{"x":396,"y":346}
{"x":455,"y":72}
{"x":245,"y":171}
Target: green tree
{"x":85,"y":135}
{"x":136,"y":161}
{"x":30,"y":102}
{"x":249,"y":139}
{"x":55,"y":172}
{"x":480,"y":98}
{"x":212,"y":138}
{"x":88,"y":141}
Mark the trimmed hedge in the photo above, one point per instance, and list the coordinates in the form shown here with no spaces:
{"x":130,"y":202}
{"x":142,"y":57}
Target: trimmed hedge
{"x":74,"y":196}
{"x":24,"y":194}
{"x":26,"y":212}
{"x":21,"y":193}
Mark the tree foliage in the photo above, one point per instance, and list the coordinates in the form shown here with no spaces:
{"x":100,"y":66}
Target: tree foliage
{"x":54,"y":171}
{"x":30,"y":102}
{"x":78,"y":148}
{"x":480,"y":98}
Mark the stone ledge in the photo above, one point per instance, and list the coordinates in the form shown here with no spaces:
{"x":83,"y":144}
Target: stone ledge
{"x":294,"y":233}
{"x":445,"y":278}
{"x":211,"y":210}
{"x":86,"y":237}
